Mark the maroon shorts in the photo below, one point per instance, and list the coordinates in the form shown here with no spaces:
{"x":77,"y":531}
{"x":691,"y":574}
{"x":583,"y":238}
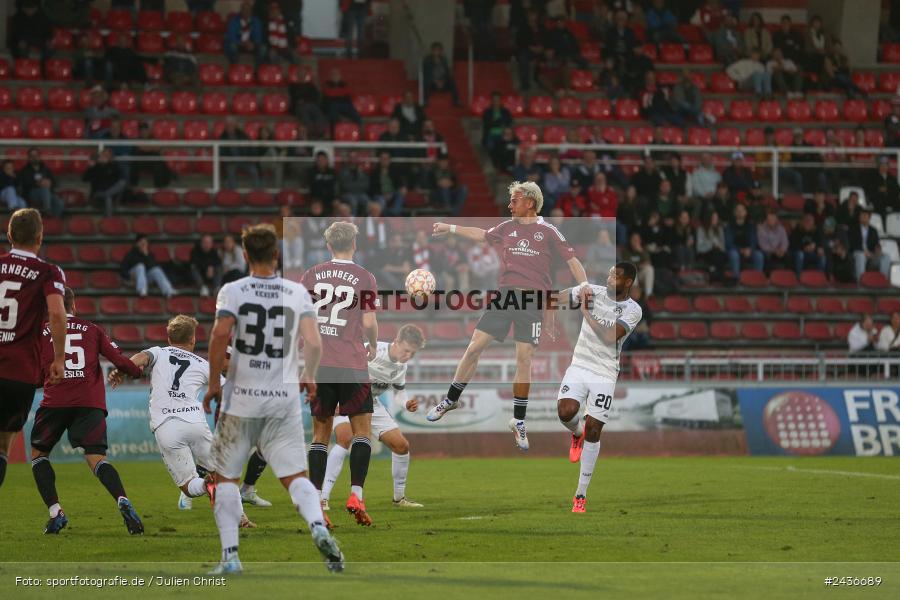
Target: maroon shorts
{"x":86,"y":427}
{"x":15,"y":404}
{"x":345,"y":388}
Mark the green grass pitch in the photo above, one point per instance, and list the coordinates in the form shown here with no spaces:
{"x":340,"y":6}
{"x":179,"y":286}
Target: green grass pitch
{"x":655,"y":527}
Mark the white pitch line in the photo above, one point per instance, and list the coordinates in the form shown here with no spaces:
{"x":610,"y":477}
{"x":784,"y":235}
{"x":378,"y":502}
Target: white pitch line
{"x":793,"y":469}
{"x":474,"y":518}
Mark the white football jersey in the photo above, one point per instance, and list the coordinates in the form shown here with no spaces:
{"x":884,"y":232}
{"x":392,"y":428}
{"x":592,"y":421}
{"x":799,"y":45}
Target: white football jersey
{"x":590,"y":352}
{"x":264,"y":370}
{"x":176,"y":380}
{"x":385,"y":373}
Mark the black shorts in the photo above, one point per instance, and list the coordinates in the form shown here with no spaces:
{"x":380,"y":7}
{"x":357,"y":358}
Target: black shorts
{"x":346,"y":388}
{"x":524,"y":316}
{"x":86,"y":427}
{"x":15,"y":404}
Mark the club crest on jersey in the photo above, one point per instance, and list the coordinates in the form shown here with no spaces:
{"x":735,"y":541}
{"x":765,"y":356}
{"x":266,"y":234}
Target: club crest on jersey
{"x":538,"y":236}
{"x":564,"y":389}
{"x":618,"y":310}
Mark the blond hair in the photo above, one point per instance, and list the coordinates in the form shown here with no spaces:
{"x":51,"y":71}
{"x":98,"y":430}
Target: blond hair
{"x":341,"y":235}
{"x":411,"y":334}
{"x":181,"y":329}
{"x":531,"y":191}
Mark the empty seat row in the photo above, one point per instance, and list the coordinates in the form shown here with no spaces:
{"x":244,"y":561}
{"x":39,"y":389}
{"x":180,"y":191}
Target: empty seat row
{"x":115,"y":306}
{"x":776,"y":305}
{"x":43,"y":128}
{"x":176,"y":226}
{"x":131,"y":335}
{"x":786,"y":279}
{"x":778,"y":332}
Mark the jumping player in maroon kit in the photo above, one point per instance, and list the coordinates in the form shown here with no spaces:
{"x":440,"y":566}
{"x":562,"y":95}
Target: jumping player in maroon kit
{"x":344,"y":295}
{"x":30,"y":291}
{"x":77,"y":405}
{"x":527,"y":246}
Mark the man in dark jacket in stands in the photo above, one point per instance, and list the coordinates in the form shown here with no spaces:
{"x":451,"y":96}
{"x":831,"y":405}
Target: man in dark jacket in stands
{"x":107,"y":180}
{"x":322,"y":181}
{"x":37,"y":182}
{"x":139,"y":266}
{"x":29,"y":29}
{"x":494,"y":120}
{"x":438,"y":74}
{"x":387,"y":184}
{"x":206,"y":266}
{"x":740,"y":243}
{"x":410,"y":115}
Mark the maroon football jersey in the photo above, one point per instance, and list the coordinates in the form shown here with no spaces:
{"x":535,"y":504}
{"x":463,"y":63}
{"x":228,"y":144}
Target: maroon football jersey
{"x":25,"y":283}
{"x":83,"y":382}
{"x":342,"y":291}
{"x":527,"y":252}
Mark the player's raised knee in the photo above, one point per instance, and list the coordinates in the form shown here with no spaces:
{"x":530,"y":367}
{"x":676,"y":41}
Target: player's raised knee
{"x":567,"y":409}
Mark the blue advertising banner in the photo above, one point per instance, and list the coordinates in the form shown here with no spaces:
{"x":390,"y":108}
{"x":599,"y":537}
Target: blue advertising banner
{"x":860,"y":421}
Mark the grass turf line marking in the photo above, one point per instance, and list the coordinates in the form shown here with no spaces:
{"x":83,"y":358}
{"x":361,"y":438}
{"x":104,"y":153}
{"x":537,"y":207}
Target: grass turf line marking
{"x":792,"y":469}
{"x":473,"y":518}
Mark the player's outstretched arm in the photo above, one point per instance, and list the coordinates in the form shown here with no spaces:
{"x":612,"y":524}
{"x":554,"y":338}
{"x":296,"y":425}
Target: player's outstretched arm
{"x":218,"y":343}
{"x":56,"y":312}
{"x":312,"y":354}
{"x":116,"y":376}
{"x":472,"y":233}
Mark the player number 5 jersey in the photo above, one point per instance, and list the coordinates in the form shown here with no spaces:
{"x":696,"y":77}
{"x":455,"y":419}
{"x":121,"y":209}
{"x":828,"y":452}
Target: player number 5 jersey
{"x":591,"y":353}
{"x":176,"y":380}
{"x":264,"y":370}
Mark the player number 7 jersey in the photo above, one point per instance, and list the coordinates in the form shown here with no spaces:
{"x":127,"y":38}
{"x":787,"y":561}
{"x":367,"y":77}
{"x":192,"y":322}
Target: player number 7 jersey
{"x":176,"y":379}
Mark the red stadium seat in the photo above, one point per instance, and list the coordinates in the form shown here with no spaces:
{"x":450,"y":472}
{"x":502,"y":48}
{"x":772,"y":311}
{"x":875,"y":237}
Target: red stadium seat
{"x":754,"y":137}
{"x":149,"y":306}
{"x":299,"y":74}
{"x":346,"y":132}
{"x":814,"y":137}
{"x":154,"y":102}
{"x":842,"y":330}
{"x":197,"y":199}
{"x":104,"y":280}
{"x":673,"y":135}
{"x":728,"y":136}
{"x":245,"y":103}
{"x":514,"y":104}
{"x":671,"y":53}
{"x":860,"y":305}
{"x":164,"y":129}
{"x":85,"y":307}
{"x":388,"y":103}
{"x":798,"y":110}
{"x":856,"y":110}
{"x":723,"y":330}
{"x":819,"y":332}
{"x":215,"y":103}
{"x":826,"y":110}
{"x":741,"y":110}
{"x":599,"y":109}
{"x":526,"y":134}
{"x":721,"y":83}
{"x":554,"y":134}
{"x":210,"y":22}
{"x":889,"y":81}
{"x":813,"y":279}
{"x":92,"y":255}
{"x":118,"y":20}
{"x":648,"y":49}
{"x":59,"y":254}
{"x":591,"y":52}
{"x":699,"y":136}
{"x":784,"y":278}
{"x":784,"y":137}
{"x":541,"y":107}
{"x":769,"y":304}
{"x":737,"y":304}
{"x":754,"y":331}
{"x":150,"y":42}
{"x":275,"y":104}
{"x":178,"y":226}
{"x":793,"y":202}
{"x":237,"y":224}
{"x":890,"y":53}
{"x":865,"y":80}
{"x":799,"y":304}
{"x":166,"y":199}
{"x":289,"y":198}
{"x":271,"y":75}
{"x":887,"y":306}
{"x":115,"y":306}
{"x":667,"y":78}
{"x":212,"y":74}
{"x":570,"y":108}
{"x":479,"y":104}
{"x":258,"y":198}
{"x":830,"y":305}
{"x":181,"y":304}
{"x":179,"y":21}
{"x":707,"y":304}
{"x":628,"y":110}
{"x":144,"y":226}
{"x":125,"y":101}
{"x":754,"y":279}
{"x":448,"y":330}
{"x":78,"y":160}
{"x":699,"y":79}
{"x":881,"y":109}
{"x":114,"y":226}
{"x":662,"y":331}
{"x":582,"y":81}
{"x":614,"y":135}
{"x":76,"y":280}
{"x":127,"y":334}
{"x":39,"y":128}
{"x":196,"y":130}
{"x":184,"y":103}
{"x":787,"y":331}
{"x":6,"y":99}
{"x":58,"y":69}
{"x":874,"y":138}
{"x":241,"y":75}
{"x":641,"y":135}
{"x":374,"y":130}
{"x":286,"y":131}
{"x":156,"y":334}
{"x":691,"y":34}
{"x":701,"y":54}
{"x":209,"y":43}
{"x":714,"y":108}
{"x":62,"y":40}
{"x":210,"y":225}
{"x":228,"y":198}
{"x":677,"y":304}
{"x":366,"y":105}
{"x":693,"y":331}
{"x":28,"y":68}
{"x":30,"y":98}
{"x":768,"y":111}
{"x":150,"y":20}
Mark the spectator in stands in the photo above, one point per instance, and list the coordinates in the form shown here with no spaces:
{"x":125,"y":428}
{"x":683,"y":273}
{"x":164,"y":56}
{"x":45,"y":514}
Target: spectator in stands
{"x":429,"y":134}
{"x":758,"y":204}
{"x":494,"y":120}
{"x":271,"y":167}
{"x":585,"y":172}
{"x":834,"y":74}
{"x":819,"y":207}
{"x":235,"y":133}
{"x":244,"y":33}
{"x":409,"y":115}
{"x":158,"y":168}
{"x":751,"y":75}
{"x":636,"y":254}
{"x":557,"y":181}
{"x":37,"y":183}
{"x":888,"y":32}
{"x":740,"y":243}
{"x":892,"y":125}
{"x":29,"y":29}
{"x":786,"y":77}
{"x":313,"y":234}
{"x":881,"y":187}
{"x":139,"y":267}
{"x":447,"y":192}
{"x":99,"y":115}
{"x":863,"y":336}
{"x":179,"y":64}
{"x":647,"y":179}
{"x":665,"y":201}
{"x":711,"y":246}
{"x":602,"y":199}
{"x":710,"y":17}
{"x":564,"y":44}
{"x":609,"y":81}
{"x":841,"y":265}
{"x":503,"y":155}
{"x":704,"y":179}
{"x":528,"y":169}
{"x":599,"y":20}
{"x":687,"y":101}
{"x":233,"y":264}
{"x":338,"y":100}
{"x":353,"y":183}
{"x":107,"y":180}
{"x":278,"y":36}
{"x":388,"y":184}
{"x":206,"y":266}
{"x":601,"y":255}
{"x":773,"y":242}
{"x":889,"y":338}
{"x":659,"y":239}
{"x":757,"y":36}
{"x":126,"y":64}
{"x":727,"y":41}
{"x":635,"y":75}
{"x":89,"y":64}
{"x":848,"y":212}
{"x":662,"y":26}
{"x":620,"y":43}
{"x":528,"y":48}
{"x":813,"y":176}
{"x":322,"y":181}
{"x":866,"y":247}
{"x":789,"y":41}
{"x":484,"y":266}
{"x":722,"y":202}
{"x":816,"y":44}
{"x":448,"y":260}
{"x":121,"y":152}
{"x":808,"y":245}
{"x":573,"y":203}
{"x":353,"y":23}
{"x":628,"y":215}
{"x":683,"y":241}
{"x":676,"y":174}
{"x":551,"y":73}
{"x":655,"y":105}
{"x":290,"y":235}
{"x":396,"y":264}
{"x":737,"y":176}
{"x":9,"y":184}
{"x":437,"y":74}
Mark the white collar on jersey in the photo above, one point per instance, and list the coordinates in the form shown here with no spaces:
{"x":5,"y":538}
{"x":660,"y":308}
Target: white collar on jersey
{"x":23,"y":253}
{"x":261,"y":277}
{"x":343,"y":261}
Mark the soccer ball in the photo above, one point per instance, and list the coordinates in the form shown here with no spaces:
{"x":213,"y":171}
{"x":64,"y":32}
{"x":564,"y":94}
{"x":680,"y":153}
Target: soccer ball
{"x":420,"y":283}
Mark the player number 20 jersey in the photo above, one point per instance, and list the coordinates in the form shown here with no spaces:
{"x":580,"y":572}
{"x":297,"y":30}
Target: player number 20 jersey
{"x":593,"y":354}
{"x":264,"y":370}
{"x":176,"y":379}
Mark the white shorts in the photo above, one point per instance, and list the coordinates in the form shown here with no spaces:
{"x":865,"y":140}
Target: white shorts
{"x":590,"y":389}
{"x":382,"y":421}
{"x":183,"y":445}
{"x":278,"y":439}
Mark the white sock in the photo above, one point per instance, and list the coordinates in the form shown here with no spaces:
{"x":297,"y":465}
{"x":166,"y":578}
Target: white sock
{"x":228,"y":511}
{"x":333,"y":467}
{"x":399,"y":469}
{"x":355,"y":489}
{"x":196,"y":487}
{"x":305,"y":497}
{"x":574,"y":425}
{"x":588,"y":459}
{"x":247,"y":489}
{"x":54,"y":510}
